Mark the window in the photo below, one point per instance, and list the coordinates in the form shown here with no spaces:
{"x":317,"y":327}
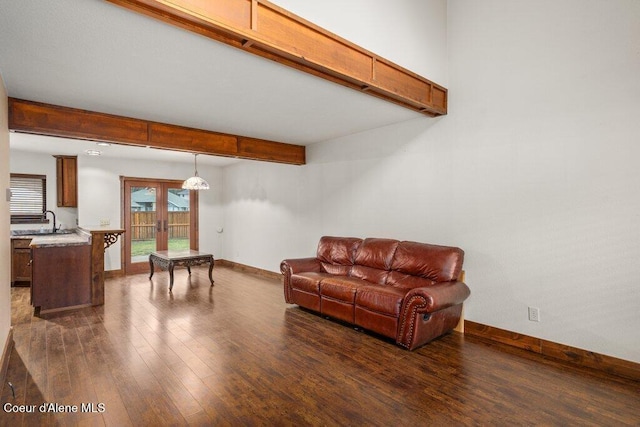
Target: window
{"x":28,"y":198}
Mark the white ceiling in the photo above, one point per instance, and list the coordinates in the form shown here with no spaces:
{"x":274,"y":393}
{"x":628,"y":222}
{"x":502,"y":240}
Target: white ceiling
{"x":93,"y":55}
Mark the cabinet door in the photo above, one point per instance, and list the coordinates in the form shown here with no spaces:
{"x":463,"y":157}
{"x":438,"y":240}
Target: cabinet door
{"x":22,"y":265}
{"x":67,"y":181}
{"x":20,"y":262}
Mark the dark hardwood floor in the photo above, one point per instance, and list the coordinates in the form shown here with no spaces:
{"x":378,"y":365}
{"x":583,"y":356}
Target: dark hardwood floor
{"x":236,"y":354}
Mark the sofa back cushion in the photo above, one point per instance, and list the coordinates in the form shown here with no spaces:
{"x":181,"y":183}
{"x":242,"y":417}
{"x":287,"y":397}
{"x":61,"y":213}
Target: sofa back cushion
{"x":337,"y":254}
{"x":433,"y":262}
{"x":373,"y":259}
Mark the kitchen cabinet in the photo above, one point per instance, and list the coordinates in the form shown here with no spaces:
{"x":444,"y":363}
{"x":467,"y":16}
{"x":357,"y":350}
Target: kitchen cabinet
{"x":61,"y":276}
{"x":20,"y":262}
{"x":66,"y":269}
{"x":67,"y":181}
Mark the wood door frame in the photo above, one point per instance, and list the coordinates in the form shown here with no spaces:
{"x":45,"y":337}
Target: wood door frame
{"x":194,"y":229}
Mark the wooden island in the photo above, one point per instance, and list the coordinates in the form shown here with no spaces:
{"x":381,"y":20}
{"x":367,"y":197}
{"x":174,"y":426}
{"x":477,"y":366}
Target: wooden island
{"x":60,"y":269}
{"x":68,"y":268}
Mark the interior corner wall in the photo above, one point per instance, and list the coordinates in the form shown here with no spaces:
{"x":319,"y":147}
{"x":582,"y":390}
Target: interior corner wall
{"x":534,"y":173}
{"x":5,"y":220}
{"x":275,"y":211}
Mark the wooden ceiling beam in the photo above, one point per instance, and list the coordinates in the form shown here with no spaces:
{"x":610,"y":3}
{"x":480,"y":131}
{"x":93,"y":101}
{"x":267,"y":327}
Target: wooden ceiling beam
{"x":264,"y":29}
{"x":53,"y":120}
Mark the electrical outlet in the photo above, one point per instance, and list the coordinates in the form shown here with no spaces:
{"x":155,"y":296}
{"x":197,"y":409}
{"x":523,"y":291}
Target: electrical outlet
{"x":104,"y":222}
{"x":534,"y":314}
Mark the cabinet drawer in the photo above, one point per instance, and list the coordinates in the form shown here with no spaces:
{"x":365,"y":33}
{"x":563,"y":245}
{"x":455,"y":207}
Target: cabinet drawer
{"x":21,"y":243}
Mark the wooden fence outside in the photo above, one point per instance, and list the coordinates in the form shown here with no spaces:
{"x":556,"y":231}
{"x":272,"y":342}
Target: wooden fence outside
{"x":143,"y":225}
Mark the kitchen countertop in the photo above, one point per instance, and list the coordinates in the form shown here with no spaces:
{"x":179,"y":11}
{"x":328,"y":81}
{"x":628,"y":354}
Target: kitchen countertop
{"x":101,"y":229}
{"x":39,"y":240}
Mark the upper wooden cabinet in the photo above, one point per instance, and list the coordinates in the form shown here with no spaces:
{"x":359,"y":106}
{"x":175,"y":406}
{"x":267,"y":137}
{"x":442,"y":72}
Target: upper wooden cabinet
{"x":67,"y":181}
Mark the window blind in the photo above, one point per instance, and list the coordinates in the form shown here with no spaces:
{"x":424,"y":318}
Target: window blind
{"x":28,"y":198}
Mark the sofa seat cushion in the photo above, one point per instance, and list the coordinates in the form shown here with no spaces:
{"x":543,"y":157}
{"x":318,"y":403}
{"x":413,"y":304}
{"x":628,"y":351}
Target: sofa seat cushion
{"x":341,"y":288}
{"x":401,"y":280}
{"x":308,"y":281}
{"x":336,"y":269}
{"x":381,"y":299}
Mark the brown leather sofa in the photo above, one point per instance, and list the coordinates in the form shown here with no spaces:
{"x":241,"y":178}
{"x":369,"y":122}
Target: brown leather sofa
{"x":406,"y":291}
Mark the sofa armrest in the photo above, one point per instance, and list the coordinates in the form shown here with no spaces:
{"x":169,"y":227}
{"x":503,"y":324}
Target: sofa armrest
{"x":439,"y":296}
{"x":293,"y":266}
{"x":299,"y":265}
{"x":421,"y":305}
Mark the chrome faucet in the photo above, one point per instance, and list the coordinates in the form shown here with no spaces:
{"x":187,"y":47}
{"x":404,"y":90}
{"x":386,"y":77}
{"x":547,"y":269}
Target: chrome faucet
{"x":54,"y":219}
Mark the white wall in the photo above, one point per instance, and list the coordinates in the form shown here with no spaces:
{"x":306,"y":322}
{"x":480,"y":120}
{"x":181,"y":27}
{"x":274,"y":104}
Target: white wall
{"x":533,"y":172}
{"x":544,"y":128}
{"x":5,"y":220}
{"x":43,"y":164}
{"x":265,"y":213}
{"x":99,"y":197}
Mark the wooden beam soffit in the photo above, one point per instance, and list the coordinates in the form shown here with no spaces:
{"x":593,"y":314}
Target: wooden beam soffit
{"x":267,"y":30}
{"x":52,"y":120}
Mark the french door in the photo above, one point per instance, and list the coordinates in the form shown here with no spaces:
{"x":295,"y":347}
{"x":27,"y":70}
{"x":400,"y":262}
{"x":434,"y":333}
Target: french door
{"x":158,"y":215}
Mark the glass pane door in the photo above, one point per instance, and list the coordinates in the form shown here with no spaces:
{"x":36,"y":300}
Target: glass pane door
{"x":158,"y":216}
{"x":145,"y":223}
{"x":178,"y":216}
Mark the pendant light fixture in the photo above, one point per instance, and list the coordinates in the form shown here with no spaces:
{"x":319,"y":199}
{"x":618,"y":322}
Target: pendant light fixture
{"x":195,"y":182}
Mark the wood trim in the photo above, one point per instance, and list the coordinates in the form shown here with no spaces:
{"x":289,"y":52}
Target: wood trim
{"x":565,"y":353}
{"x":460,"y":326}
{"x":254,"y":16}
{"x":149,"y":181}
{"x":277,"y":34}
{"x":6,"y":353}
{"x":248,"y":269}
{"x":110,"y":274}
{"x":123,"y":217}
{"x":53,"y":120}
{"x":194,"y":218}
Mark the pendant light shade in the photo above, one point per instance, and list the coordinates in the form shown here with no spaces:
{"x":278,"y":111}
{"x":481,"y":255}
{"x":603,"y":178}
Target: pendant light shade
{"x":195,"y":182}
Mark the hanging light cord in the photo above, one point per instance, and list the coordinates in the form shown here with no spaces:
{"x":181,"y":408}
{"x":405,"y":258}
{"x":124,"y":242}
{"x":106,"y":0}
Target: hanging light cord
{"x":195,"y":182}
